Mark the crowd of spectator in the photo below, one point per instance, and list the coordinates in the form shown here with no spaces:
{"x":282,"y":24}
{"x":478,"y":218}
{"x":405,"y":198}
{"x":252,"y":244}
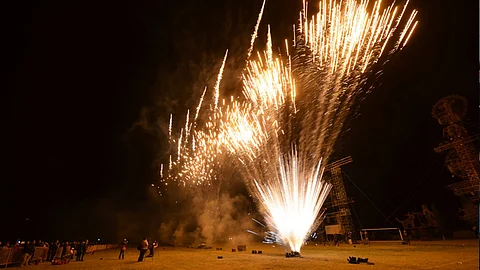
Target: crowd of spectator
{"x":27,"y":253}
{"x":57,"y":252}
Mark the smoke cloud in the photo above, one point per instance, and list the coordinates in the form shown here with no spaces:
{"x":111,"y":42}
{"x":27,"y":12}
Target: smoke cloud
{"x":182,"y":216}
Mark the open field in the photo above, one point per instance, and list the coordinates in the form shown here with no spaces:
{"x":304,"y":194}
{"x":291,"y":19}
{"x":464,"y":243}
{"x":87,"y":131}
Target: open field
{"x":418,"y":255}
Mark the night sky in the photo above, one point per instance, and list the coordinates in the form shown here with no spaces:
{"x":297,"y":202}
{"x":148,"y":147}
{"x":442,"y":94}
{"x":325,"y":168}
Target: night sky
{"x":86,"y":82}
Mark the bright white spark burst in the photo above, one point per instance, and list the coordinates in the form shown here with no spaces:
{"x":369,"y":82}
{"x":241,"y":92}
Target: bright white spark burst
{"x":332,"y":52}
{"x":293,"y":199}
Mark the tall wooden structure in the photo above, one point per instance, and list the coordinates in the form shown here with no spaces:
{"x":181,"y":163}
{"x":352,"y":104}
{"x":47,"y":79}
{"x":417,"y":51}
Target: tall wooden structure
{"x":461,"y":153}
{"x":338,"y":202}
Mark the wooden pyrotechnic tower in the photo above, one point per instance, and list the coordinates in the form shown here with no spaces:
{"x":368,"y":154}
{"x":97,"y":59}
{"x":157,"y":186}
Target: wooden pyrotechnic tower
{"x":338,"y":204}
{"x":461,"y":153}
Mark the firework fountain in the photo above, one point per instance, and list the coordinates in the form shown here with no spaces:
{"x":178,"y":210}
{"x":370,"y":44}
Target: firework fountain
{"x":282,"y":132}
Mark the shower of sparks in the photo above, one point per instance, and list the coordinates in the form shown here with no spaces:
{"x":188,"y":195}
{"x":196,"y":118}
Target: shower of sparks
{"x":268,"y":81}
{"x":269,"y":90}
{"x":293,"y":199}
{"x":244,"y":133}
{"x":344,"y":37}
{"x":336,"y":49}
{"x":197,"y":147}
{"x":283,"y":130}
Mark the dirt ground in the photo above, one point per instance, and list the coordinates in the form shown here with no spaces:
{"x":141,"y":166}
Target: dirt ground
{"x":419,"y":255}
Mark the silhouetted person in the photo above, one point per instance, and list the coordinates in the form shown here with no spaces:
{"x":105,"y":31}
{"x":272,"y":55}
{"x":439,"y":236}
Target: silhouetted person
{"x":64,"y":249}
{"x":50,"y":251}
{"x":151,"y":248}
{"x":365,"y":238}
{"x":406,"y":235}
{"x":81,"y":248}
{"x":84,"y":249}
{"x":143,"y":247}
{"x":33,"y":244}
{"x":54,"y":248}
{"x":28,"y":249}
{"x":336,"y":240}
{"x":475,"y":230}
{"x":123,"y":247}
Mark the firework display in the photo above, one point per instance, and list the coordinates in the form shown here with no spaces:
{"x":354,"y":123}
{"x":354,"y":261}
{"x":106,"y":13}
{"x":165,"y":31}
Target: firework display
{"x":282,"y":130}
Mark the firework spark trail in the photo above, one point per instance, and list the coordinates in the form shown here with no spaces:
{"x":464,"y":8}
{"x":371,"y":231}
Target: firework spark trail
{"x":219,"y":79}
{"x":255,"y":31}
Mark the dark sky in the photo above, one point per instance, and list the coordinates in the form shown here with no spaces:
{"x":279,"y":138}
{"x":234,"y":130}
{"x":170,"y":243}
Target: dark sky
{"x":79,"y":76}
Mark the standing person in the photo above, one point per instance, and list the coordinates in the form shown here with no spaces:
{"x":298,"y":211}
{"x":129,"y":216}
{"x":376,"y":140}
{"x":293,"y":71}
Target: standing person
{"x":27,"y":253}
{"x":80,"y":251}
{"x":54,"y":247}
{"x":151,"y":248}
{"x":406,"y":235}
{"x":83,"y":246}
{"x":336,"y":240}
{"x":33,"y":244}
{"x":365,"y":238}
{"x":143,"y":247}
{"x":475,"y":230}
{"x":123,"y":247}
{"x":64,"y":250}
{"x":50,"y":251}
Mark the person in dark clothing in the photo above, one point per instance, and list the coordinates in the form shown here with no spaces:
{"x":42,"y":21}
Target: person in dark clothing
{"x":406,"y":237}
{"x":54,"y":247}
{"x":64,"y":249}
{"x":123,"y":247}
{"x":475,"y":230}
{"x":79,"y":253}
{"x":83,"y":248}
{"x":143,"y":247}
{"x":49,"y":253}
{"x":151,"y":248}
{"x":28,"y":249}
{"x":336,"y":239}
{"x":33,"y":244}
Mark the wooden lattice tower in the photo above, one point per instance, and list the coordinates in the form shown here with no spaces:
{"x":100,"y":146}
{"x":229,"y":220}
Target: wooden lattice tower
{"x":338,"y":199}
{"x":461,"y":159}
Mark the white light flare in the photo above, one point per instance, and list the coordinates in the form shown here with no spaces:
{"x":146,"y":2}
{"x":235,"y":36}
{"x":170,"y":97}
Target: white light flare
{"x":293,"y":200}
